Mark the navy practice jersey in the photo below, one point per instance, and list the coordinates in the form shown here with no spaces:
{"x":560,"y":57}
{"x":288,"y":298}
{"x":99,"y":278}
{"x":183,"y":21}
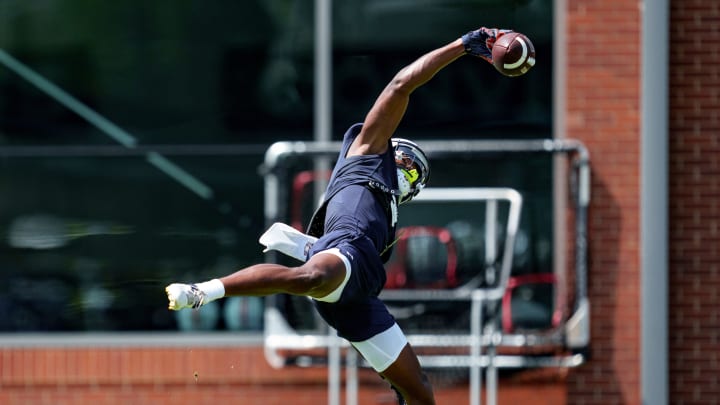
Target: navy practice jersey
{"x":359,"y":200}
{"x":358,"y":218}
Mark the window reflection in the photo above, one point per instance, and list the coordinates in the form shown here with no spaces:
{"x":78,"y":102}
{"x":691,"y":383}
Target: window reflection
{"x":92,"y":230}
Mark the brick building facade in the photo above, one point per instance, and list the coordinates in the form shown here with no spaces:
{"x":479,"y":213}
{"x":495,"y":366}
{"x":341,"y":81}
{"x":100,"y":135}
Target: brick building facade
{"x":603,"y":110}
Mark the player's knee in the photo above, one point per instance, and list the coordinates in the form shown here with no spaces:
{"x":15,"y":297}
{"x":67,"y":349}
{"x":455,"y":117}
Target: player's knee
{"x":310,"y":278}
{"x":316,"y":280}
{"x":324,"y":276}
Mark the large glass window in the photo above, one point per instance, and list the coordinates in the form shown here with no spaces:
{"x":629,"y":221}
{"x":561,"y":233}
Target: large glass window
{"x":90,"y":241}
{"x":94,"y":225}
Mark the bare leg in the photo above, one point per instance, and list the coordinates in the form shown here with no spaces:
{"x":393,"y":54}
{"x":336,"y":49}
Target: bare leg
{"x":320,"y":276}
{"x":407,"y":377}
{"x":316,"y":278}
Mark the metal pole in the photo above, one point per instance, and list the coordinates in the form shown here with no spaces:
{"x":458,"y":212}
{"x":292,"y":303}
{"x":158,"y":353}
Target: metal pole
{"x":491,"y":372}
{"x":323,"y":80}
{"x":334,"y":368}
{"x":323,"y":88}
{"x":351,"y":373}
{"x":654,"y":203}
{"x":475,"y":348}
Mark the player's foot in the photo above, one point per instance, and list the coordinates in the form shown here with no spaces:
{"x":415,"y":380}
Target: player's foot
{"x":184,"y":296}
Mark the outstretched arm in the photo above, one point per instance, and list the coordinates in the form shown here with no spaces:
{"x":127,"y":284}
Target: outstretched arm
{"x":384,"y":117}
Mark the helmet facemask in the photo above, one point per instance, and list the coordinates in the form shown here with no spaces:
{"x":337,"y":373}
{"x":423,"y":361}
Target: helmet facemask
{"x":413,"y":169}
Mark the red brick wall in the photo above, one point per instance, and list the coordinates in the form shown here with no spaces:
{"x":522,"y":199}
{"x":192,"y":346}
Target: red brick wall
{"x":603,"y":111}
{"x":225,"y":375}
{"x":603,"y":84}
{"x":109,"y":376}
{"x":694,"y":202}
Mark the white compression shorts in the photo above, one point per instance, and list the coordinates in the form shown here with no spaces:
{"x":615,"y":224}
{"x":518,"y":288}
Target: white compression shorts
{"x":382,"y":349}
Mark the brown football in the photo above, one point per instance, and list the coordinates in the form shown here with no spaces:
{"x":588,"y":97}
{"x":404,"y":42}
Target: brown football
{"x":513,"y":54}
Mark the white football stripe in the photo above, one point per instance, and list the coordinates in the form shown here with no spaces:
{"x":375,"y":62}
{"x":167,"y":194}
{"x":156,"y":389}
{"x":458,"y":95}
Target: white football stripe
{"x":522,"y":58}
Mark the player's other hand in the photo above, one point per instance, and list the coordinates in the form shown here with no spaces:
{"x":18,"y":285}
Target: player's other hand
{"x":480,"y":42}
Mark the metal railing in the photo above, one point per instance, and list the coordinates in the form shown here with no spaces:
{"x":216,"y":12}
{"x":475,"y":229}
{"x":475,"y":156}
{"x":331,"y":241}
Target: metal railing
{"x":572,"y":335}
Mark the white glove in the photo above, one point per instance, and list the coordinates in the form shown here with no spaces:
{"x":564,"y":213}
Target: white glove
{"x":287,"y":240}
